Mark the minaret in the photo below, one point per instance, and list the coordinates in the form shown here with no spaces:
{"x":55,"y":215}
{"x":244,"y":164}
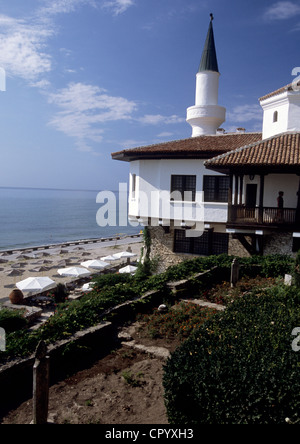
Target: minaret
{"x":207,"y":116}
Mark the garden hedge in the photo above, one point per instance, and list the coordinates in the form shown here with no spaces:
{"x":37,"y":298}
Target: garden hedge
{"x":239,"y":367}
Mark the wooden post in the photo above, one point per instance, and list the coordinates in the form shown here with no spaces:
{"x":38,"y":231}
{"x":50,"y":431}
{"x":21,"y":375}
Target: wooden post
{"x":236,"y":189}
{"x":235,"y":272}
{"x":241,"y":189}
{"x":41,"y":385}
{"x":230,"y":218}
{"x":261,"y":199}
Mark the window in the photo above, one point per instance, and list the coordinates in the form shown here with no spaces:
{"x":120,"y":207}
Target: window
{"x":275,"y":117}
{"x":215,"y":188}
{"x":183,"y":188}
{"x":133,"y":185}
{"x":207,"y":244}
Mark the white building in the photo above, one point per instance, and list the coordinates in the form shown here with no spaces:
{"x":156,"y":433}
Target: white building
{"x":217,"y":192}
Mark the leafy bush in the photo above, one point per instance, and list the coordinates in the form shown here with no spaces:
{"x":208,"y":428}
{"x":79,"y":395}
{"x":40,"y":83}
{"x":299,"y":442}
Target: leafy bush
{"x":60,"y":293}
{"x":296,"y":271}
{"x":239,"y":367}
{"x":178,"y":322}
{"x":110,"y":280}
{"x":12,"y":320}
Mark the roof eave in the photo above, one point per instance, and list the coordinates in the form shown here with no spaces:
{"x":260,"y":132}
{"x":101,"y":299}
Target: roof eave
{"x":254,"y":169}
{"x":130,"y":157}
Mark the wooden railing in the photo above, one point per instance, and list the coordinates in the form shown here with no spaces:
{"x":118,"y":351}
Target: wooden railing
{"x":265,"y":215}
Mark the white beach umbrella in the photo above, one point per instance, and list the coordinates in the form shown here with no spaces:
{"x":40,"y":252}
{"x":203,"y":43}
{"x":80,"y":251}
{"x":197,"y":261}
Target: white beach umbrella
{"x":128,"y":269}
{"x":14,"y":272}
{"x":124,"y":255}
{"x":86,"y":288}
{"x":62,"y":251}
{"x":35,"y":285}
{"x":109,"y":258}
{"x":97,"y":265}
{"x":74,"y":271}
{"x":39,"y":269}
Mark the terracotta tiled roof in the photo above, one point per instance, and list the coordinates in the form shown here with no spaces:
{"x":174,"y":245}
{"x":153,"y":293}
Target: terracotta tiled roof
{"x":203,"y":147}
{"x":281,"y":152}
{"x":288,"y":87}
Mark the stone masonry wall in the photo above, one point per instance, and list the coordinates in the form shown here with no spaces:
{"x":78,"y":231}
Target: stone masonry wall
{"x":278,"y":243}
{"x":235,"y":248}
{"x":162,"y":245}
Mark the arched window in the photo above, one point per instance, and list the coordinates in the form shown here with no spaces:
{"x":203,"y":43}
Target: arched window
{"x":275,"y":117}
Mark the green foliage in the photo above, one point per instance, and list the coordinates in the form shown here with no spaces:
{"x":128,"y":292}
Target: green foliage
{"x":239,"y":367}
{"x":296,"y":272}
{"x":113,"y":289}
{"x":60,"y":293}
{"x":133,"y":380}
{"x":178,"y":322}
{"x":110,"y":280}
{"x":12,"y":320}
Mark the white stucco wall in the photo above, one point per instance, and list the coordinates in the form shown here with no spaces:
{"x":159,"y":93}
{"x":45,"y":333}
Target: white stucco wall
{"x":288,"y":183}
{"x":287,"y":104}
{"x":153,"y":186}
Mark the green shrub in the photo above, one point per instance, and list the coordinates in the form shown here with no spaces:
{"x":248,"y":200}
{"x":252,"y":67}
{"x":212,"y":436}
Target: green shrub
{"x":60,"y":293}
{"x":110,"y":280}
{"x":12,"y":320}
{"x":239,"y":367}
{"x":296,"y":271}
{"x":178,"y":322}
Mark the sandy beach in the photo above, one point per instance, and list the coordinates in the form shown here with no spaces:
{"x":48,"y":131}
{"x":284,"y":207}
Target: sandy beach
{"x":21,"y":264}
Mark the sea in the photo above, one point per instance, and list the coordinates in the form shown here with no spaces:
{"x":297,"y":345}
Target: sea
{"x":35,"y":217}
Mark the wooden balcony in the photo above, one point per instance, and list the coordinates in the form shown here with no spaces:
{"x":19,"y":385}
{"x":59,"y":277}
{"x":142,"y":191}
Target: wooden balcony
{"x":242,"y":216}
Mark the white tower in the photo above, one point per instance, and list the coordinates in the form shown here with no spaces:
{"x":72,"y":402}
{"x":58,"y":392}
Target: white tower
{"x":207,"y":116}
{"x":281,"y":111}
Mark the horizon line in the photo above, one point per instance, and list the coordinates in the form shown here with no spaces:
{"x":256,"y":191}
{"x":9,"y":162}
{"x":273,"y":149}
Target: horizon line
{"x":45,"y":189}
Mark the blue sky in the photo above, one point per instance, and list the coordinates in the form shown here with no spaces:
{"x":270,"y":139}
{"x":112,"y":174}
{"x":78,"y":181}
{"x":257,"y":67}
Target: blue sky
{"x":85,"y":78}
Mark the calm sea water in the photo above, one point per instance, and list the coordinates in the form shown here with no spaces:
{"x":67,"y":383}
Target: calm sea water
{"x":32,"y":217}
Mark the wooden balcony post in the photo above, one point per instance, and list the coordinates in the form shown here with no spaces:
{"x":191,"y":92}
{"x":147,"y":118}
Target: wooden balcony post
{"x":297,"y":216}
{"x":230,"y":198}
{"x":241,"y":189}
{"x":261,"y":199}
{"x":236,"y":189}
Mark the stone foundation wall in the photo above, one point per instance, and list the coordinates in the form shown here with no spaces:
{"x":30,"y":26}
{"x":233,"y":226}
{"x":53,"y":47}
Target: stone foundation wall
{"x":278,"y":243}
{"x":162,"y":246}
{"x":235,"y":248}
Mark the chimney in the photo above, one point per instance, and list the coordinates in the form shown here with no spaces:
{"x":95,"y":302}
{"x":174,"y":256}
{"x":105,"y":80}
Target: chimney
{"x":241,"y":130}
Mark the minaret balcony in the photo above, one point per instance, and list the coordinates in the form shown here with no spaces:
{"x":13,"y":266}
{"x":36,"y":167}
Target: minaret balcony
{"x":206,"y":119}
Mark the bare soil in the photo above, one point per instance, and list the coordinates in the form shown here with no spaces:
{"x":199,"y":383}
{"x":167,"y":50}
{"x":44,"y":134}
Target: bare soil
{"x":125,"y":387}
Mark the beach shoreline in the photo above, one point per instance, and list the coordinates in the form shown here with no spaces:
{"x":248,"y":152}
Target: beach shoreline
{"x":68,"y":243}
{"x":20,"y":263}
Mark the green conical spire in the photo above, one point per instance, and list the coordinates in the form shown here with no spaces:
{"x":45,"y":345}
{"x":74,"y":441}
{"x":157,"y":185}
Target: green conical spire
{"x":209,"y":57}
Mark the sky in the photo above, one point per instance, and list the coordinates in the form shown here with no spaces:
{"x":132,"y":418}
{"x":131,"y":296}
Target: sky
{"x":81,"y":79}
